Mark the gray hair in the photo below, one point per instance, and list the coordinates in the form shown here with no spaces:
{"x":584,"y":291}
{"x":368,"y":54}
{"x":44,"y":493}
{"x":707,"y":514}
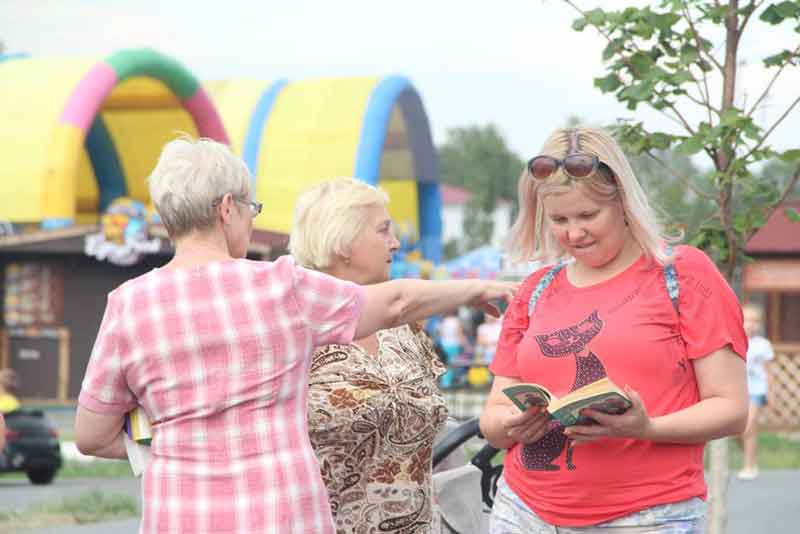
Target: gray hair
{"x":329,"y":217}
{"x":530,"y":237}
{"x":191,"y":174}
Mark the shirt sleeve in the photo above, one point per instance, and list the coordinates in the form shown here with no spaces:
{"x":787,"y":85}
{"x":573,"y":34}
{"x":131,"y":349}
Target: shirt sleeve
{"x":331,"y":307}
{"x":104,"y":389}
{"x":710,"y":315}
{"x":515,"y":323}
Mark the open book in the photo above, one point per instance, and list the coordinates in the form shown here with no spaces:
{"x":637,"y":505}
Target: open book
{"x":602,"y":395}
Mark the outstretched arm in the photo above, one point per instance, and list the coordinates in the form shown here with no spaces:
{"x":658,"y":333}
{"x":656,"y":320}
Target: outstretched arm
{"x":399,"y":302}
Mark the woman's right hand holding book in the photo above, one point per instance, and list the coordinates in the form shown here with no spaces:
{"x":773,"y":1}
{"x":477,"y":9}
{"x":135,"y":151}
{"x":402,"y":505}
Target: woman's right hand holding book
{"x":526,"y":427}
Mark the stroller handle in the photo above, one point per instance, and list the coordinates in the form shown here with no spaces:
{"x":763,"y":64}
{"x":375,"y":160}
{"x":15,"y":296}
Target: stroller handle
{"x":455,"y":438}
{"x":482,"y":459}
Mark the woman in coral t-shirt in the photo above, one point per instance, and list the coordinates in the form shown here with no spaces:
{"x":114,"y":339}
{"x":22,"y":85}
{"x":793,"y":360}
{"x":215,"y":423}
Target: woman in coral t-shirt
{"x":610,"y":307}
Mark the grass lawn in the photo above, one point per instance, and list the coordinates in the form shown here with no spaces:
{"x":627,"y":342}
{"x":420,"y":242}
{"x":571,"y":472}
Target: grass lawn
{"x":95,"y":469}
{"x":775,"y":451}
{"x":89,"y":507}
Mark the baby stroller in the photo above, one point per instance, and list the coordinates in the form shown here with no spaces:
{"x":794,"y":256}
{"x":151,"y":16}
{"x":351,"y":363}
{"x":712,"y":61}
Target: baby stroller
{"x":464,"y":489}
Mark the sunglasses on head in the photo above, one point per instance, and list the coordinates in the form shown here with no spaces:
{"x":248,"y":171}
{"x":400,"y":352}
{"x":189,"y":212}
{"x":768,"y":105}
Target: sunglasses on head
{"x":577,"y":166}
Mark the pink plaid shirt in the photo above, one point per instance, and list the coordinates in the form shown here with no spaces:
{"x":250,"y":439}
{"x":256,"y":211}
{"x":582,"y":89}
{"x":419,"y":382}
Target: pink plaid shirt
{"x":218,"y":357}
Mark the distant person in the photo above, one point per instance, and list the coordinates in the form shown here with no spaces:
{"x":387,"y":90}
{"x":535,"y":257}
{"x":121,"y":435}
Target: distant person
{"x":8,"y":388}
{"x":216,"y":350}
{"x":452,"y":336}
{"x":488,"y":336}
{"x":454,"y":342}
{"x":617,"y":303}
{"x":759,"y":352}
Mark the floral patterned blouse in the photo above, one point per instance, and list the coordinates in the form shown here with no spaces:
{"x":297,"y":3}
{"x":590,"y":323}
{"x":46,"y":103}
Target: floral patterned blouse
{"x":372,"y":421}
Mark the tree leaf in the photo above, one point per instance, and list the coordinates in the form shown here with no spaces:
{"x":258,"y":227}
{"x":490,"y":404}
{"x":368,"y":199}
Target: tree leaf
{"x":787,"y":9}
{"x":777,"y":13}
{"x":681,"y":77}
{"x":731,"y":117}
{"x":792,"y":214}
{"x":596,"y":17}
{"x":641,"y":64}
{"x":579,"y":24}
{"x":613,"y":47}
{"x":608,"y":84}
{"x":643,"y":29}
{"x":690,"y":146}
{"x":689,"y":54}
{"x":665,"y":21}
{"x":778,"y":59}
{"x":660,"y":141}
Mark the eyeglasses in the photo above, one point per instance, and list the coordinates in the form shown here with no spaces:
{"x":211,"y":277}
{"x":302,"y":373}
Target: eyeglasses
{"x":578,"y":166}
{"x":254,"y":206}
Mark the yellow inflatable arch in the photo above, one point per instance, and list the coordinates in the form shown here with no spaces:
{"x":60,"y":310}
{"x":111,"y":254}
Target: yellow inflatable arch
{"x":374,"y":129}
{"x":78,"y":133}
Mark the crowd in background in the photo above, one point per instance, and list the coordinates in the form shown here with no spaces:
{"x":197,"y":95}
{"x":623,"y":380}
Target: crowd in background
{"x":465,"y":341}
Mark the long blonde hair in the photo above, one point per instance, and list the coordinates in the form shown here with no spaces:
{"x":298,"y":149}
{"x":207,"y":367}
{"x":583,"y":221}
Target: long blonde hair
{"x":530,"y":238}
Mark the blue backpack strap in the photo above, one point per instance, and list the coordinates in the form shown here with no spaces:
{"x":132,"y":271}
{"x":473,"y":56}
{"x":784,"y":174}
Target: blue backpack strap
{"x":543,"y":283}
{"x":671,"y":281}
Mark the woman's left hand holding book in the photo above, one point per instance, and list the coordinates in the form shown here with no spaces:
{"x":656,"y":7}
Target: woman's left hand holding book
{"x":634,"y":423}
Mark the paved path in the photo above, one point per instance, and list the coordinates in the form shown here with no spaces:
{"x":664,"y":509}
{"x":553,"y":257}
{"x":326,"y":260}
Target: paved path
{"x":769,"y":504}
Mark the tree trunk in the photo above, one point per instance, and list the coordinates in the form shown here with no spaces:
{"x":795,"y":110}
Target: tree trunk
{"x":718,"y":487}
{"x":718,"y":449}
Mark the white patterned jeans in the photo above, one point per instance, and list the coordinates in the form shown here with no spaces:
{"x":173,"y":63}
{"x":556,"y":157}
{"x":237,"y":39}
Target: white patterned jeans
{"x":512,"y":516}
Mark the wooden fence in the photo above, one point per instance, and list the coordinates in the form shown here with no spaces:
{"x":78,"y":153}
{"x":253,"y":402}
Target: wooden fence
{"x":783,"y":410}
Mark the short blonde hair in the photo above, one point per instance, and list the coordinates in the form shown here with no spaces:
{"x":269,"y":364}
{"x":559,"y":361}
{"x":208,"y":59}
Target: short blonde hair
{"x":189,"y":176}
{"x":530,"y":238}
{"x":329,"y":217}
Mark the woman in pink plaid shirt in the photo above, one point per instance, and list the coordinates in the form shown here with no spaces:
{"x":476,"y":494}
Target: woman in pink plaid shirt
{"x":216,"y":349}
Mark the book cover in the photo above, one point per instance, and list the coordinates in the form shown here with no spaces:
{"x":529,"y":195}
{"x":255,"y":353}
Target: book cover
{"x":137,"y":426}
{"x":602,"y":395}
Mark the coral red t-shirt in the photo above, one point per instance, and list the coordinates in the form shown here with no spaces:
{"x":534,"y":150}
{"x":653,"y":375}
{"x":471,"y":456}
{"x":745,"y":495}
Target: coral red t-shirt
{"x":625,"y":328}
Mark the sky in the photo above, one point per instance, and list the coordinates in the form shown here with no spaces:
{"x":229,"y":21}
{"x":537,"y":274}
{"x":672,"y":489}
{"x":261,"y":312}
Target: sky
{"x":514,"y":63}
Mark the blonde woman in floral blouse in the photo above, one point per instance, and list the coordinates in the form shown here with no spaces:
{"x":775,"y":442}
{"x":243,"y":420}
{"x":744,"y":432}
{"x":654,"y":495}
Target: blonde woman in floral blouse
{"x":374,"y":406}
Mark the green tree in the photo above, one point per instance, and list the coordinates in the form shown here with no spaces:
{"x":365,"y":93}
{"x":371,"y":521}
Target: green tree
{"x":678,"y":206}
{"x":668,"y":57}
{"x":476,"y":158}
